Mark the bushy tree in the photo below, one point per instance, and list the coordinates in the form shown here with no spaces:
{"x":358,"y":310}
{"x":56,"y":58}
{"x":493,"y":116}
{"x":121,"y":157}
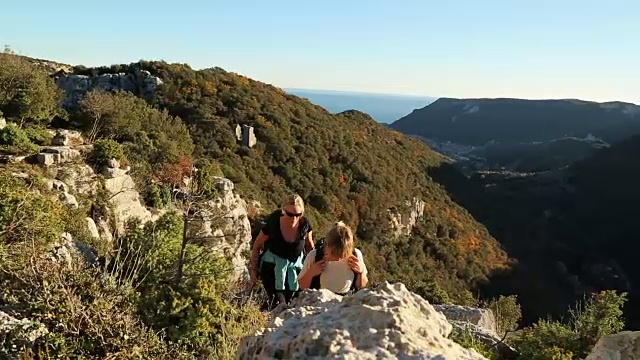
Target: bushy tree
{"x":27,"y":93}
{"x":105,"y":150}
{"x":15,"y":140}
{"x":598,"y":316}
{"x":506,"y":311}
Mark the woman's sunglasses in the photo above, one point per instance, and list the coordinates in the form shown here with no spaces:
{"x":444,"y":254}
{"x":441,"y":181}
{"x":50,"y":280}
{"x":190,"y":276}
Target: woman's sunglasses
{"x":290,"y":214}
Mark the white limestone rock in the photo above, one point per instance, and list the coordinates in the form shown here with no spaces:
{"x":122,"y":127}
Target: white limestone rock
{"x":70,"y":200}
{"x":387,"y":322}
{"x":55,"y":184}
{"x":20,"y":331}
{"x":50,"y":155}
{"x":127,"y":201}
{"x":621,"y":346}
{"x":482,"y":318}
{"x":80,"y":178}
{"x":225,"y":221}
{"x":64,"y":137}
{"x":63,"y":251}
{"x":93,"y":228}
{"x":403,"y":220}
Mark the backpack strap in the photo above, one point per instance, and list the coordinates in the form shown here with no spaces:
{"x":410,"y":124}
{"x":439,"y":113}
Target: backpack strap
{"x":315,"y":281}
{"x":354,"y":287}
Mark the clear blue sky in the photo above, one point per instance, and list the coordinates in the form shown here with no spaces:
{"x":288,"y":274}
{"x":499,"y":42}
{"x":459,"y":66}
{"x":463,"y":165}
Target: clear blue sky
{"x":475,"y":48}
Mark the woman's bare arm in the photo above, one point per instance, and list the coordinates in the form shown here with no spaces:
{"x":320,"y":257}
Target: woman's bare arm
{"x":305,"y":280}
{"x":309,"y":244}
{"x":361,"y":281}
{"x":258,"y":245}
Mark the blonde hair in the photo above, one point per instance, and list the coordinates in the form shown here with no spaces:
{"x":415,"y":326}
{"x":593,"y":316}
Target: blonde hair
{"x":340,"y":240}
{"x":295,"y":200}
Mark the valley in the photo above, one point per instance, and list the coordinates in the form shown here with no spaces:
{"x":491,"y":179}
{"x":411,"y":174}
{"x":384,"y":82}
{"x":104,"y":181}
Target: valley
{"x":552,"y":181}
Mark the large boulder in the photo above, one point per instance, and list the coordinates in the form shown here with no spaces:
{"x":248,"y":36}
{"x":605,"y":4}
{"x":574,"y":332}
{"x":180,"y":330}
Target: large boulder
{"x":63,"y":137}
{"x":621,"y":346}
{"x":126,"y":201}
{"x":388,"y":322}
{"x":50,"y":155}
{"x":482,"y":318}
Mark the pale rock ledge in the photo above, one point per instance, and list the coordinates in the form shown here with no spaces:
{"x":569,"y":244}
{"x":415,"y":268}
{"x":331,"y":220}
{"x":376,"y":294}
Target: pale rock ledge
{"x":386,"y":322}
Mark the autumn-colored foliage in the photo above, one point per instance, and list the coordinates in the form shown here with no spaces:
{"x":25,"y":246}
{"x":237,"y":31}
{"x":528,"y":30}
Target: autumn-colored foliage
{"x":174,"y":173}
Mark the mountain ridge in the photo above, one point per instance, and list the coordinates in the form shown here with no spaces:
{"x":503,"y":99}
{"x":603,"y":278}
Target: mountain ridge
{"x":479,"y":121}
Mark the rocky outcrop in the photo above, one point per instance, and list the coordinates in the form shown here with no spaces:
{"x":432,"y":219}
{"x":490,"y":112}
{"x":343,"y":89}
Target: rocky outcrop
{"x":63,"y":137}
{"x":482,"y":318}
{"x":50,"y":155}
{"x":67,"y":247}
{"x":225,"y":221}
{"x":139,"y":82}
{"x":480,"y":324}
{"x":403,"y":220}
{"x":17,"y":334}
{"x":79,"y":178}
{"x":387,"y":322}
{"x":621,"y":346}
{"x":127,"y":202}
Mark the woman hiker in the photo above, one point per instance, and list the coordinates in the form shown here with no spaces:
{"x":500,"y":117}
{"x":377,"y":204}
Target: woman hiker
{"x":284,"y":237}
{"x":335,"y":264}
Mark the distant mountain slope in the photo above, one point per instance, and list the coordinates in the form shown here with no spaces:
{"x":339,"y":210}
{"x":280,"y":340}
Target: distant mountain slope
{"x":478,"y":121}
{"x":384,"y":108}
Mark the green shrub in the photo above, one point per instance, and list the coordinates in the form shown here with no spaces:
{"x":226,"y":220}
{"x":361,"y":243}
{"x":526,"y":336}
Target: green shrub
{"x":599,"y":316}
{"x":506,"y":311}
{"x":26,"y":216}
{"x":465,"y":339}
{"x":14,"y":140}
{"x":207,"y":170}
{"x":157,"y":196}
{"x":105,"y":150}
{"x":192,"y":308}
{"x":38,"y":135}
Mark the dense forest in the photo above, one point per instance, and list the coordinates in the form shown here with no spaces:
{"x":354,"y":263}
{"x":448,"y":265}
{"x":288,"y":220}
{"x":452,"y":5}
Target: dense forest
{"x":345,"y":166}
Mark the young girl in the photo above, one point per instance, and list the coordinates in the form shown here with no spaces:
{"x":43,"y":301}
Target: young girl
{"x":335,"y":264}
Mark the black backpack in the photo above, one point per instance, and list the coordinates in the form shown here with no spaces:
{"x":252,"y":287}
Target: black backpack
{"x":315,"y":281}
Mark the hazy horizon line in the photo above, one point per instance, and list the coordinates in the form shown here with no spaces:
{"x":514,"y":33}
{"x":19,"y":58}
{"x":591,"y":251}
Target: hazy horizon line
{"x":434,"y":98}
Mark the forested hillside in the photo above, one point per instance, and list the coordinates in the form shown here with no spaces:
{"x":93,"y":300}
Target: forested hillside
{"x":345,"y":166}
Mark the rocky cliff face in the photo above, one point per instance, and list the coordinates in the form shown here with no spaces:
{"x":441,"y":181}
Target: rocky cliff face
{"x":387,"y":322}
{"x":225,"y":220}
{"x":141,"y":83}
{"x":69,"y":178}
{"x":403,"y":220}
